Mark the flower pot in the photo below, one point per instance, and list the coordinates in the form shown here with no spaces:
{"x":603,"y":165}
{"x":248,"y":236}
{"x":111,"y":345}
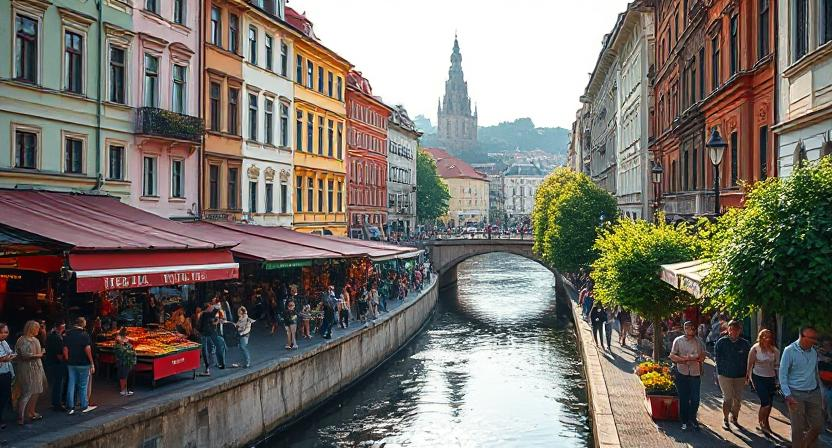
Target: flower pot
{"x":662,"y":407}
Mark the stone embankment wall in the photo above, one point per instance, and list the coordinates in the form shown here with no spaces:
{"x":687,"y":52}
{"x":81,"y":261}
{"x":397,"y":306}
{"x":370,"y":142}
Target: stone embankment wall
{"x":244,"y":408}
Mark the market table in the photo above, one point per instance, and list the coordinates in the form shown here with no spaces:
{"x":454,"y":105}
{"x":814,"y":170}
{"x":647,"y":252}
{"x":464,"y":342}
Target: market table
{"x":160,"y":352}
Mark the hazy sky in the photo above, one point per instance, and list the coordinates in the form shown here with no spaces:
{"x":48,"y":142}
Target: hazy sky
{"x":521,"y":57}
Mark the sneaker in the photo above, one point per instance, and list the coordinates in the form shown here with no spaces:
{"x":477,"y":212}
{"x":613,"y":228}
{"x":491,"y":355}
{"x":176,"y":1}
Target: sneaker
{"x":70,"y":412}
{"x":294,"y":347}
{"x":725,"y":425}
{"x":684,"y":426}
{"x":123,"y":393}
{"x":129,"y":392}
{"x":735,"y":422}
{"x":695,"y":426}
{"x":89,"y":409}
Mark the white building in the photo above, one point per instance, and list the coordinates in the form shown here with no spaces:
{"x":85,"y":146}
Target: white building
{"x":634,"y":41}
{"x":804,"y":82}
{"x":402,"y":143}
{"x":612,"y":129}
{"x":267,"y":110}
{"x":520,"y":184}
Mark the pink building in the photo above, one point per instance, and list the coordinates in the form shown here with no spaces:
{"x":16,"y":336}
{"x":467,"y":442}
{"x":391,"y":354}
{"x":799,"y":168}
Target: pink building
{"x":164,"y":71}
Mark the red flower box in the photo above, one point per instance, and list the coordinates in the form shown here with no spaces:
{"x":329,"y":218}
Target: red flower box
{"x":662,"y":407}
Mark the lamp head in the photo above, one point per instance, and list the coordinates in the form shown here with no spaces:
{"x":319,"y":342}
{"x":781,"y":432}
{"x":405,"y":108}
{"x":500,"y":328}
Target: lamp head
{"x":716,"y":147}
{"x":657,"y":172}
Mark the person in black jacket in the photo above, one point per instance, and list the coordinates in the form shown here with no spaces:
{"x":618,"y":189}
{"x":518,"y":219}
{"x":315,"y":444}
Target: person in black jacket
{"x":598,"y":316}
{"x":55,"y":364}
{"x":209,"y":329}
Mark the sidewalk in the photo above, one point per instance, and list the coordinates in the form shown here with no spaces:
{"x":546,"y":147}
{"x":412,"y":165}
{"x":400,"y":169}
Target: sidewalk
{"x":265,"y":350}
{"x":633,"y":426}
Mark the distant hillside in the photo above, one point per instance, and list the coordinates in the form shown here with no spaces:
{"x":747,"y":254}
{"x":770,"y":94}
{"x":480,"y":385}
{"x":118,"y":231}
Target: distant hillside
{"x":520,"y":134}
{"x":423,"y":124}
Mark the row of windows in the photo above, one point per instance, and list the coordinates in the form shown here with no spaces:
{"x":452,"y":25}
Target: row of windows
{"x":327,"y":131}
{"x":179,"y":13}
{"x":402,"y":175}
{"x":399,"y":201}
{"x":688,"y":173}
{"x":27,"y":153}
{"x":269,"y":199}
{"x":305,"y":75}
{"x":150,"y":176}
{"x":268,"y":120}
{"x":367,"y":115}
{"x":27,"y":67}
{"x":232,"y":180}
{"x":366,"y":197}
{"x":363,"y":140}
{"x":334,"y":195}
{"x":367,"y":173}
{"x":399,"y":149}
{"x":690,"y":88}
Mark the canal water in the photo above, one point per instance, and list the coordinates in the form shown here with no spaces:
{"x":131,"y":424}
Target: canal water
{"x":495,"y":368}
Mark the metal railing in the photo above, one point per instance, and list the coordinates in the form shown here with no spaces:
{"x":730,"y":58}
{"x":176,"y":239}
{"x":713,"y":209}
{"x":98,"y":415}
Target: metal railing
{"x":164,"y":123}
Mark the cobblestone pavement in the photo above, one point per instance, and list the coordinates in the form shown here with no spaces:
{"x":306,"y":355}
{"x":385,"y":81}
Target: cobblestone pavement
{"x":636,"y":429}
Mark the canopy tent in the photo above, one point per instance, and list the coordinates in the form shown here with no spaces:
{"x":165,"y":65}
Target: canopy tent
{"x":111,"y":245}
{"x":686,"y":276}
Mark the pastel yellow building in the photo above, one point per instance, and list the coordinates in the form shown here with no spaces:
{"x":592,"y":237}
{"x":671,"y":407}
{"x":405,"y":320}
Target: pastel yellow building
{"x":320,"y":133}
{"x":468,"y":188}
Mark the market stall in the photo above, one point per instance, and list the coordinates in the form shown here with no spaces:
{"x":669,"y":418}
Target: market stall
{"x":160,"y":352}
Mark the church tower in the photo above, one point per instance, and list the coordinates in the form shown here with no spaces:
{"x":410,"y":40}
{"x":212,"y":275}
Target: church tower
{"x":457,"y":127}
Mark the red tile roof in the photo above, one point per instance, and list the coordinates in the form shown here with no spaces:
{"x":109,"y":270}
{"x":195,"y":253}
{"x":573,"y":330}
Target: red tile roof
{"x":450,"y":167}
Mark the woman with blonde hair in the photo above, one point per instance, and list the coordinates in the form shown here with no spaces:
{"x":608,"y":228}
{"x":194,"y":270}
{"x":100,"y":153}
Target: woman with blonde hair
{"x":29,"y":372}
{"x":763,"y":362}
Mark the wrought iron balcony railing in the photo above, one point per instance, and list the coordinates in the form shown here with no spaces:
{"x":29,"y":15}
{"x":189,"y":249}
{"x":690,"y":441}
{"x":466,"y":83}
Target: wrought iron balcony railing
{"x":166,"y":124}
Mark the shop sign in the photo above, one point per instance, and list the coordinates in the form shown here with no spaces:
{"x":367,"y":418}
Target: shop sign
{"x":268,"y":265}
{"x":141,"y":280}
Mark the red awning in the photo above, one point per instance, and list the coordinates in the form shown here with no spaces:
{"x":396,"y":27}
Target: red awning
{"x":93,"y":222}
{"x":115,"y":246}
{"x":341,"y":248}
{"x":257,"y":245}
{"x":101,"y":271}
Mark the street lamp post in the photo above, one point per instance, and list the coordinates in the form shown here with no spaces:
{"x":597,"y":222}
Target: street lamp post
{"x":716,"y":149}
{"x":656,"y":174}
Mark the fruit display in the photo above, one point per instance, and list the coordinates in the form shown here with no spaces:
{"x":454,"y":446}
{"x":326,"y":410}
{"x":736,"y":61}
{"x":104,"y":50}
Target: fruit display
{"x":150,"y":342}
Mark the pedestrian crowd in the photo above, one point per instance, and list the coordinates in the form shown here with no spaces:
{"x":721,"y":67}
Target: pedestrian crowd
{"x":61,"y":362}
{"x":801,"y":374}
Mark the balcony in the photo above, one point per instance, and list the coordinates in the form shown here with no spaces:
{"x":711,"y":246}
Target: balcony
{"x":166,"y":124}
{"x":688,"y":204}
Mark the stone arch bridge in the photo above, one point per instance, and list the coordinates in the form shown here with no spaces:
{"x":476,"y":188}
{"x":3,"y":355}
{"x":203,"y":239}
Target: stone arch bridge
{"x":445,"y":255}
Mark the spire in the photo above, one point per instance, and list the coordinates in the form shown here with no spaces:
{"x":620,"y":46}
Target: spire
{"x":475,"y":109}
{"x":456,"y":56}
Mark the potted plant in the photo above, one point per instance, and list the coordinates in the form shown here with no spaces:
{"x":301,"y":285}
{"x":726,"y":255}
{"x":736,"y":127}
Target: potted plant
{"x":659,"y":391}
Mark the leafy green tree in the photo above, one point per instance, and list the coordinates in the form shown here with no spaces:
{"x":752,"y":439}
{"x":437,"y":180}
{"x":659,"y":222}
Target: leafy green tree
{"x":432,"y":194}
{"x":627,"y":270}
{"x":569,"y":208}
{"x":775,"y":253}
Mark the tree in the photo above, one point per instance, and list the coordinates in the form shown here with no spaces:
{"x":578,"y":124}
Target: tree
{"x":775,"y":253}
{"x":627,"y":271}
{"x":431,"y":192}
{"x":569,"y":208}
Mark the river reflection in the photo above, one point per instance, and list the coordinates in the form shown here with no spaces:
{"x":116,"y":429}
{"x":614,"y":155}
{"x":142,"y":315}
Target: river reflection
{"x":495,"y":367}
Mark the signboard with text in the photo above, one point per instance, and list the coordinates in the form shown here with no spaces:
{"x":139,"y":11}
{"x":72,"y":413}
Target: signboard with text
{"x":146,"y":280}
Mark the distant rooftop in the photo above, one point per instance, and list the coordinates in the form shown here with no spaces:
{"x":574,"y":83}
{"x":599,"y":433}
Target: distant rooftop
{"x":524,"y":169}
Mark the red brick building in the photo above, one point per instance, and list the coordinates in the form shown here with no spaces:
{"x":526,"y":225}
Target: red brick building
{"x":366,"y":159}
{"x":740,"y":99}
{"x":714,"y":67}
